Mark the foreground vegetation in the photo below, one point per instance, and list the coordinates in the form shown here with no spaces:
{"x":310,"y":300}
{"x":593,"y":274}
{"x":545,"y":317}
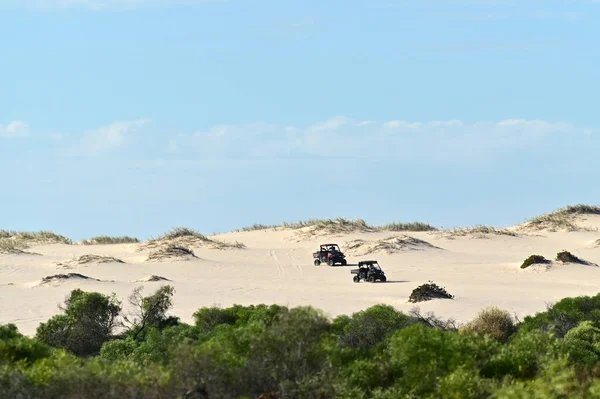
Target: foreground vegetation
{"x":95,"y":349}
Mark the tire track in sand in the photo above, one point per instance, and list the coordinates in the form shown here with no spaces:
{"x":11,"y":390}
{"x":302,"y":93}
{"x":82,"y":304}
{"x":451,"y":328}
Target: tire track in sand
{"x":280,"y":268}
{"x":298,"y":268}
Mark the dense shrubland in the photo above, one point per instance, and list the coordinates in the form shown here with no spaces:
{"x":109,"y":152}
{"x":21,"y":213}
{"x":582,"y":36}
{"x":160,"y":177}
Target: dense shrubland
{"x":95,"y":349}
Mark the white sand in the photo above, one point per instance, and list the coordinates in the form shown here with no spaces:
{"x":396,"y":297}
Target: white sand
{"x":277,"y":268}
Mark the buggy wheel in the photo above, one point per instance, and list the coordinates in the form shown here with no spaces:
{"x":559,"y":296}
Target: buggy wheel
{"x":330,"y":262}
{"x":356,"y":279}
{"x":344,"y":263}
{"x":371,"y":279}
{"x":383,"y":279}
{"x":317,"y":262}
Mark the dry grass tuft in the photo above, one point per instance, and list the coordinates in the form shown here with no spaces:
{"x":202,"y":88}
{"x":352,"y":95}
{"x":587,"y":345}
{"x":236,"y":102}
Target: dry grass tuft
{"x":256,"y":227}
{"x":59,"y":278}
{"x":14,"y":247}
{"x":188,"y":237}
{"x":107,"y":240}
{"x":87,"y":259}
{"x":413,"y":226}
{"x":170,"y":252}
{"x":479,"y":231}
{"x":387,"y":245}
{"x":36,"y":237}
{"x":563,"y":219}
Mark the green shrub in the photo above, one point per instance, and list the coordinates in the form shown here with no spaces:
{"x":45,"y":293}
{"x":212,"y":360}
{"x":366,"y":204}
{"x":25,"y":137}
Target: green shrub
{"x":427,"y":292}
{"x":494,"y":322}
{"x":371,"y":326}
{"x":584,"y":343}
{"x":421,"y":357}
{"x":567,"y":257}
{"x":88,"y":321}
{"x":565,"y":315}
{"x":534,"y":259}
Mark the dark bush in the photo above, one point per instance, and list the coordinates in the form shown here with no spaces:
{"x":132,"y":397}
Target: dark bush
{"x":534,"y":259}
{"x":88,"y":321}
{"x":427,"y":292}
{"x":567,"y":257}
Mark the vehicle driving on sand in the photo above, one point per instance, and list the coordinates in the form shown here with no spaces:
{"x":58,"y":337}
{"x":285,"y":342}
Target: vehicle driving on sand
{"x":368,"y":270}
{"x":331,"y":254}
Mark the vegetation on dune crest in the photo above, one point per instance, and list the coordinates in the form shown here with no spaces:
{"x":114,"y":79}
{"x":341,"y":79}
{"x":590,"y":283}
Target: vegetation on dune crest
{"x":343,"y":225}
{"x":107,"y":240}
{"x":35,"y":237}
{"x":479,"y":231}
{"x":562,"y":218}
{"x":94,"y":348}
{"x":171,"y":251}
{"x":190,"y":237}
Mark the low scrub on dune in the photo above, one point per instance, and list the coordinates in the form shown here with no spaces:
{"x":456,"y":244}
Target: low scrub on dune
{"x":429,"y":291}
{"x":561,"y":219}
{"x":189,"y":237}
{"x":343,"y":225}
{"x":14,"y":247}
{"x":388,"y":245}
{"x":66,"y":277}
{"x":534,"y":260}
{"x":567,"y":257}
{"x":170,"y":252}
{"x":107,"y":240}
{"x":256,"y":227}
{"x":35,"y":237}
{"x":412,"y":226}
{"x":479,"y":231}
{"x":87,"y":259}
{"x":338,"y":225}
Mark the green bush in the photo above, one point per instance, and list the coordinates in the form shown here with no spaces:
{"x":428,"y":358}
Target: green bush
{"x":88,"y":321}
{"x":565,"y":315}
{"x":534,"y":259}
{"x":494,"y":322}
{"x":567,"y":257}
{"x":427,"y":292}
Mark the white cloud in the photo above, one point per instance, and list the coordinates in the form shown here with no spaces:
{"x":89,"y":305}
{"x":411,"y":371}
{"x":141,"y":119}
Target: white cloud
{"x":451,"y":140}
{"x":14,"y":129}
{"x":93,"y":142}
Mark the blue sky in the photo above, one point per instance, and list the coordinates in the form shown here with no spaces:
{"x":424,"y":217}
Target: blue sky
{"x":134,"y":116}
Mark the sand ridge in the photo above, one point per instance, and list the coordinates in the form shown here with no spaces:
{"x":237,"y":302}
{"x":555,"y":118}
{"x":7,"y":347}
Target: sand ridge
{"x":275,"y":265}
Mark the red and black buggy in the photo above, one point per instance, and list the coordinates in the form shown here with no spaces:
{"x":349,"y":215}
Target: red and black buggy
{"x":330,"y":254}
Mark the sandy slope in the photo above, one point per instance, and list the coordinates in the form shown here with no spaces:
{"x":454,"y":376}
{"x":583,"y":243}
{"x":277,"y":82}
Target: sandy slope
{"x":276,"y":267}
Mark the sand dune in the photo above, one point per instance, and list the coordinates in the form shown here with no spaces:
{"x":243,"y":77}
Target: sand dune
{"x":388,"y":245}
{"x":87,"y":259}
{"x":275,"y":265}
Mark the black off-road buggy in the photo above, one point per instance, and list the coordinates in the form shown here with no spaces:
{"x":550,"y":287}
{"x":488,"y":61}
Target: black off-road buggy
{"x":368,"y":270}
{"x":330,"y":254}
